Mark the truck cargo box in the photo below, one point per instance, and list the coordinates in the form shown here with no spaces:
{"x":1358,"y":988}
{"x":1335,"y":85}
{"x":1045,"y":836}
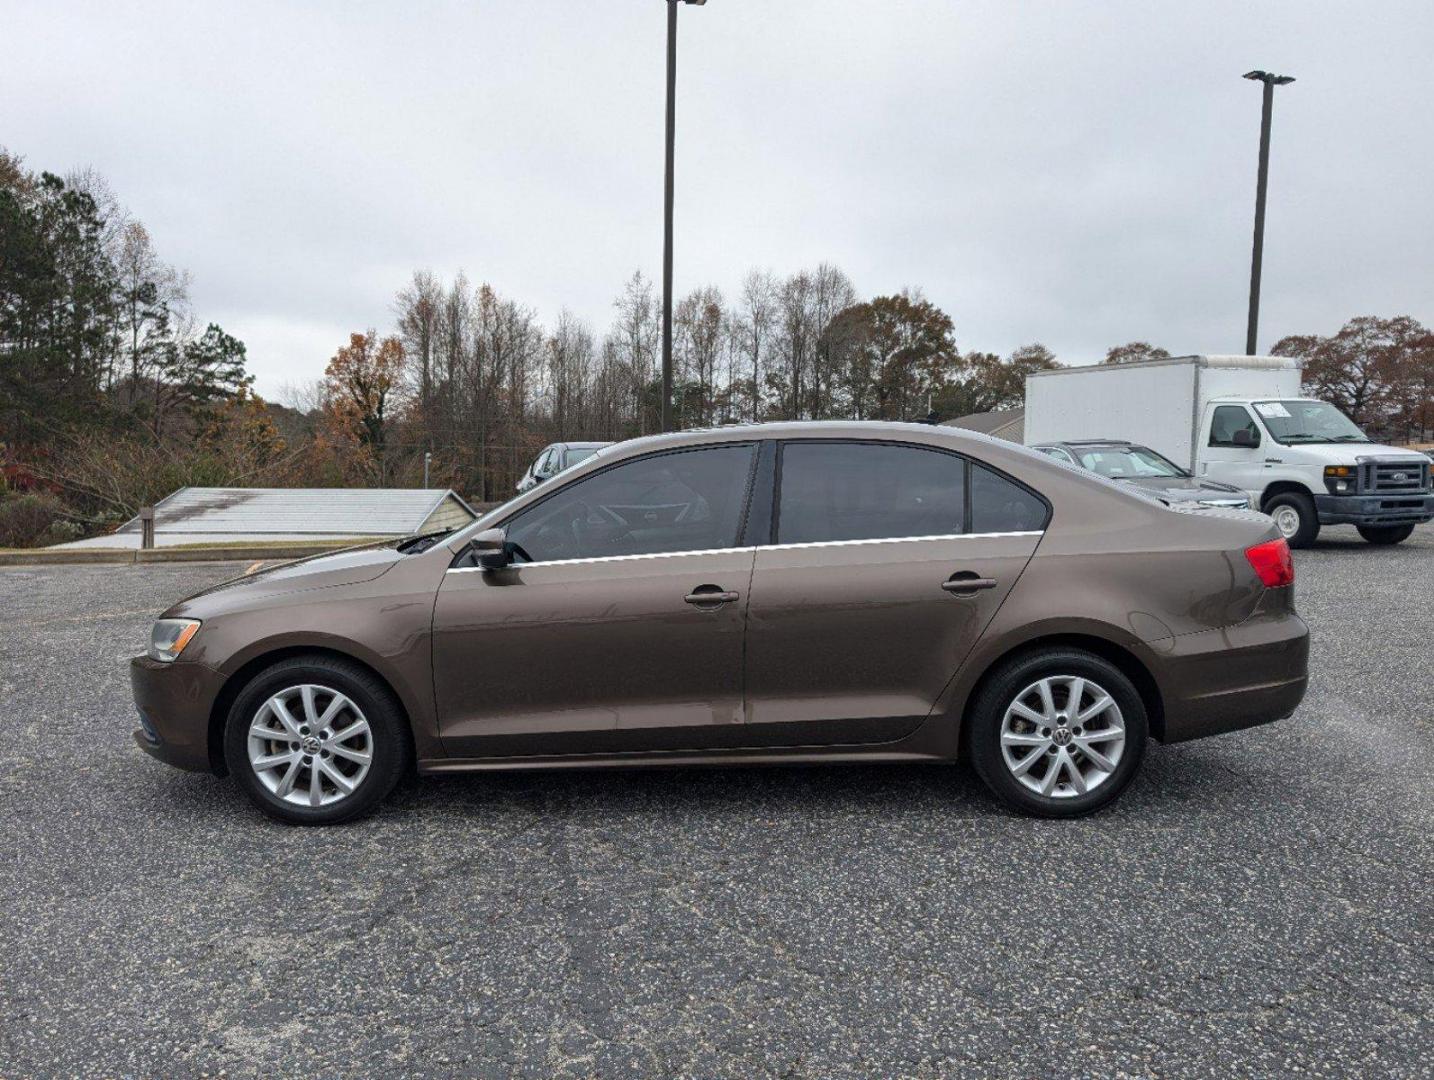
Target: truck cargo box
{"x":1156,"y":403}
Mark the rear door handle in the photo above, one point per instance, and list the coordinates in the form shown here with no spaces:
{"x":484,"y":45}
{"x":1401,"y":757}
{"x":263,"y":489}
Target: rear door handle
{"x":967,"y":582}
{"x":710,"y":596}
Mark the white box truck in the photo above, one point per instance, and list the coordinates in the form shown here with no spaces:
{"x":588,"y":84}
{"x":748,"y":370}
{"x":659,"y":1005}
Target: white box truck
{"x":1242,"y":420}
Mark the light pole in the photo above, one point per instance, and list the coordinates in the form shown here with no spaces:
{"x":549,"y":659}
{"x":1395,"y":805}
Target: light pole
{"x":1271,"y":81}
{"x":667,"y":421}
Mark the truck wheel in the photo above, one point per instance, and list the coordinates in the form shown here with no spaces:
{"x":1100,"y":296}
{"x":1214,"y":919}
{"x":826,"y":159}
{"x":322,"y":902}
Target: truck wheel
{"x":1385,"y":534}
{"x":1294,"y":514}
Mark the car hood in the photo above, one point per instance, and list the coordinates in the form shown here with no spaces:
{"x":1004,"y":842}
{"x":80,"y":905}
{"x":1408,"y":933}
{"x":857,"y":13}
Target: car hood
{"x":1347,"y":453}
{"x":349,"y":566}
{"x":1181,"y":488}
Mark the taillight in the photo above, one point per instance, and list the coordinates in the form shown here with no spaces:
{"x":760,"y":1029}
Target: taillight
{"x":1273,"y":563}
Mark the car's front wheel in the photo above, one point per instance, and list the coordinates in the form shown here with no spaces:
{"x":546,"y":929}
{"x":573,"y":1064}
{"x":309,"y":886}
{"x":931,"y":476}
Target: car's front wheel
{"x":316,"y":741}
{"x":1057,"y":733}
{"x":1386,"y":534}
{"x":1295,"y":516}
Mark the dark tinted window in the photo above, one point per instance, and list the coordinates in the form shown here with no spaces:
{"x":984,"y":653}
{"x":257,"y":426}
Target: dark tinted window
{"x":998,"y":505}
{"x":1228,"y":420}
{"x":688,"y":501}
{"x":868,"y":491}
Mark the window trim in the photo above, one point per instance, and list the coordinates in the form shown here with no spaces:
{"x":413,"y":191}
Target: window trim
{"x":737,"y":545}
{"x":967,"y":463}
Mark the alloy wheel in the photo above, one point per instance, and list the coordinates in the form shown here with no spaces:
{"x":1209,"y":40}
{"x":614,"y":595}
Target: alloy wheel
{"x":1062,"y":736}
{"x":310,"y":745}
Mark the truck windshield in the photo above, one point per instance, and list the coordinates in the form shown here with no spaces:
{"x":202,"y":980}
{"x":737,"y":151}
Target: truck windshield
{"x":1127,"y":462}
{"x":1292,"y":422}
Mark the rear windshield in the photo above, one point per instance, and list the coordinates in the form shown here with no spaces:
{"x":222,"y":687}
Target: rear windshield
{"x":579,"y":453}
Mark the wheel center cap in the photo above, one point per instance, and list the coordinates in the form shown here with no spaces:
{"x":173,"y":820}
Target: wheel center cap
{"x":1061,"y":736}
{"x":311,"y":744}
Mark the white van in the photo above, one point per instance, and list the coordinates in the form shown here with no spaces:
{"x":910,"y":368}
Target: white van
{"x":1242,"y":420}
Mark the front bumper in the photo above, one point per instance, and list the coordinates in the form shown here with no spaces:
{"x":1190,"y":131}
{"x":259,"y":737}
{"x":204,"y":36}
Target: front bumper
{"x":175,"y":702}
{"x":1386,"y":509}
{"x":1235,"y":677}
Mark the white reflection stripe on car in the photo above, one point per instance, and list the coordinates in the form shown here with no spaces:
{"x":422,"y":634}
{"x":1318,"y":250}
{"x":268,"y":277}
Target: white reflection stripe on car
{"x":764,"y":547}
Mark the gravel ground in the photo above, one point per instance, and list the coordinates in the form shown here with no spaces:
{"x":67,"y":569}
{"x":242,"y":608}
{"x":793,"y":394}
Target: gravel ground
{"x":1257,"y":904}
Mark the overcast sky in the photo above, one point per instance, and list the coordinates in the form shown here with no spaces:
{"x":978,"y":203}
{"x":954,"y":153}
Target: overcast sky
{"x":1079,"y":174}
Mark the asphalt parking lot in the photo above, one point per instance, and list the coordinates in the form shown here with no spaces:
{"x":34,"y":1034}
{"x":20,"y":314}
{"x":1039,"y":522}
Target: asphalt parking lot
{"x":1257,"y":904}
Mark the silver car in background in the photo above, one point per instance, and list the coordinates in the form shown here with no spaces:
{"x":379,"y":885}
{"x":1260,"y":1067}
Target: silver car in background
{"x":1143,"y":468}
{"x":554,"y":459}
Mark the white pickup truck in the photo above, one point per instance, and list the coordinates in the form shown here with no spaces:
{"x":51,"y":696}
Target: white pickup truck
{"x":1242,"y":420}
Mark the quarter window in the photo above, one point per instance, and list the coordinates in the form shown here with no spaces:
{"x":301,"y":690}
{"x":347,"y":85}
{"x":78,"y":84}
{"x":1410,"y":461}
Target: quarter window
{"x":998,"y":505}
{"x":692,"y":500}
{"x":868,"y":491}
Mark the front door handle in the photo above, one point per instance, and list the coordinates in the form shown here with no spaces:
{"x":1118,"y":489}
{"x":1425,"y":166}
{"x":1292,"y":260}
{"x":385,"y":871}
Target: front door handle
{"x":966,"y":582}
{"x":710,"y":596}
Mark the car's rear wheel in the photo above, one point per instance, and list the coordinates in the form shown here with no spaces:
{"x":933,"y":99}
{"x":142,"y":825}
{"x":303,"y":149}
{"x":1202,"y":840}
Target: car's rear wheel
{"x":1057,"y":733}
{"x":1295,"y":516}
{"x":316,"y":741}
{"x":1385,"y":534}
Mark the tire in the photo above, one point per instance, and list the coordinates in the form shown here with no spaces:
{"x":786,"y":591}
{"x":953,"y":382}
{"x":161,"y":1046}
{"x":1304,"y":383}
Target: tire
{"x":1295,"y":517}
{"x":1385,"y":534}
{"x":993,"y":720}
{"x":311,"y":687}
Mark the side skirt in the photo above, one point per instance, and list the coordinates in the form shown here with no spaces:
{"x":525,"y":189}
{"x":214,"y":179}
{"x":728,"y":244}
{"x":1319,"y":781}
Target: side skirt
{"x":668,"y":759}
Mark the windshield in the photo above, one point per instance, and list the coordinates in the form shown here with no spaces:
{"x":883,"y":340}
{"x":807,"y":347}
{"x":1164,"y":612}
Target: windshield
{"x":1307,"y":422}
{"x":1128,"y":463}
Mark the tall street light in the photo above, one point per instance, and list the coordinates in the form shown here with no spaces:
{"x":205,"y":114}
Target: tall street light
{"x":1271,"y":81}
{"x":667,"y":420}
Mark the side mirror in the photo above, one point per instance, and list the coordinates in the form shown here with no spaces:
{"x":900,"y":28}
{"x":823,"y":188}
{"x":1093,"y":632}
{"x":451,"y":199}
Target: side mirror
{"x":491,"y":547}
{"x":1245,"y":437}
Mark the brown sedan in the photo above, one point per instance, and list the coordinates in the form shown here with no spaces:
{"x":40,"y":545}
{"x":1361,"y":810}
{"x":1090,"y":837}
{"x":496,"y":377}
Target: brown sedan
{"x":751,"y":595}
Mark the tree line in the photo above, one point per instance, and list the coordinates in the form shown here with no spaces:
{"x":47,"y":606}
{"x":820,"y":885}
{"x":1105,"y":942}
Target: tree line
{"x":114,"y":392}
{"x":474,"y":379}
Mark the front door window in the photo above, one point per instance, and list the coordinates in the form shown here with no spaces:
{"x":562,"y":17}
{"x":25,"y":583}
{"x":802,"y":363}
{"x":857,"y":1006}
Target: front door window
{"x":691,"y":500}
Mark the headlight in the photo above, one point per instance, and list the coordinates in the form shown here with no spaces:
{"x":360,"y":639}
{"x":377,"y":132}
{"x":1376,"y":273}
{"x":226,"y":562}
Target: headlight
{"x":169,"y":637}
{"x":1340,"y":479}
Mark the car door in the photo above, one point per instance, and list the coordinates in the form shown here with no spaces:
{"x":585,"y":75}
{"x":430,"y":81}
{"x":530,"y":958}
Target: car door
{"x":1234,"y":453}
{"x":888,"y":563}
{"x":624,"y":632}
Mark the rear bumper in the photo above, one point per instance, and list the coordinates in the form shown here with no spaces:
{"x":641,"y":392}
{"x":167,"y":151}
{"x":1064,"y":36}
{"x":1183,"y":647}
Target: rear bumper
{"x":1386,"y":509}
{"x":174,"y":702}
{"x":1235,"y":677}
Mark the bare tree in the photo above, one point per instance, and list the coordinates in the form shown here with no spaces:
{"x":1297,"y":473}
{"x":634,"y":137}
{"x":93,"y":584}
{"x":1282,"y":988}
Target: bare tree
{"x":755,"y":322}
{"x":417,"y":310}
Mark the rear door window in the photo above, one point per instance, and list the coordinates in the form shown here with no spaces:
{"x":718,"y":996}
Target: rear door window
{"x":868,"y":491}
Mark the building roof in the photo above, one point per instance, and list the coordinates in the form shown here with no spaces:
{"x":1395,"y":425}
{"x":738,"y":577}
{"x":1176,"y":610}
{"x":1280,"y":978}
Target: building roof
{"x":194,"y":515}
{"x":996,"y":422}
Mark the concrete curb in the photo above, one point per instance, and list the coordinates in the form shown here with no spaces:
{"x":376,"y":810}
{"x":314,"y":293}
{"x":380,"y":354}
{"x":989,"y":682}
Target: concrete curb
{"x":82,"y":556}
